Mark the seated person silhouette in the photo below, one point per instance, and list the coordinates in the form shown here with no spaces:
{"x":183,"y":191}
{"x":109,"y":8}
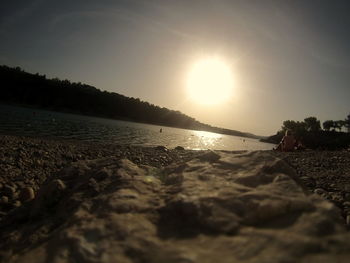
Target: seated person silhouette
{"x":287,"y":143}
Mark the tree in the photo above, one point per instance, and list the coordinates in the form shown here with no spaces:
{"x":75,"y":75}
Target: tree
{"x":312,"y":124}
{"x":347,"y":123}
{"x":297,"y":127}
{"x":327,"y":125}
{"x":339,"y":124}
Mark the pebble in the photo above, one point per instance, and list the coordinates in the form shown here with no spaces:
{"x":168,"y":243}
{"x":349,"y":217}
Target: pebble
{"x":346,"y":204}
{"x":16,"y":204}
{"x":337,"y":197}
{"x":320,"y":191}
{"x":179,"y":148}
{"x":348,"y":220}
{"x":26,"y":194}
{"x":4,"y":199}
{"x":9,"y":191}
{"x":162,"y":148}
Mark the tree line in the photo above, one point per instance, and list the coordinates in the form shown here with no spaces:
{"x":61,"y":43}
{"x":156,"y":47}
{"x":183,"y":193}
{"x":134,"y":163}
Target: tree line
{"x":35,"y":90}
{"x":310,"y":133}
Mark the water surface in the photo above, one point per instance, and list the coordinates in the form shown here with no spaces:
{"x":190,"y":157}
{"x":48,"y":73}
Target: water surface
{"x":42,"y":123}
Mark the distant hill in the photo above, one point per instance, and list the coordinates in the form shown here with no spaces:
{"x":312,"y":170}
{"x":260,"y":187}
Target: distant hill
{"x":23,"y":88}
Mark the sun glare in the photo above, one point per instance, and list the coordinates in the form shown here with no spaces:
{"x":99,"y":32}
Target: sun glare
{"x":210,"y":82}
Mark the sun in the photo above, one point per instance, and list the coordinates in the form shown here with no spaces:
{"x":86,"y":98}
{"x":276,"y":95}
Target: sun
{"x":210,"y":81}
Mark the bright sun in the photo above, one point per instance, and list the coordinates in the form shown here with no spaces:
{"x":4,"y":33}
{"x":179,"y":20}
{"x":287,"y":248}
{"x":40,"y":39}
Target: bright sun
{"x":210,"y":81}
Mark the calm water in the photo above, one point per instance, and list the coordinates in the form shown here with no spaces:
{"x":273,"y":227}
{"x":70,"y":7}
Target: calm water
{"x":23,"y":121}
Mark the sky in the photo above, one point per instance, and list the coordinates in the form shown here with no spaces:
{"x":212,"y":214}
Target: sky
{"x":289,"y":59}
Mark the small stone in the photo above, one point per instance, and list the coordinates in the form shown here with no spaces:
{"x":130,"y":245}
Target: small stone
{"x":179,"y":148}
{"x":102,"y":174}
{"x":162,"y":148}
{"x":9,"y":191}
{"x":320,"y":191}
{"x":209,"y":157}
{"x":346,"y":204}
{"x":26,"y":194}
{"x":17,"y":204}
{"x":4,"y":199}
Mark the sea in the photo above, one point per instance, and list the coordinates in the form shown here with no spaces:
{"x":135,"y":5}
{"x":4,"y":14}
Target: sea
{"x":49,"y":124}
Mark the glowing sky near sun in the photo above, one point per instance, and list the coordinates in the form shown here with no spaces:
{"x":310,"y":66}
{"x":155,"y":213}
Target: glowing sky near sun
{"x":288,"y":59}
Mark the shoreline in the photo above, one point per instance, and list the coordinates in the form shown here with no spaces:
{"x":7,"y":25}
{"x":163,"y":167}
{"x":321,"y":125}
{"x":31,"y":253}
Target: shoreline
{"x":30,"y":162}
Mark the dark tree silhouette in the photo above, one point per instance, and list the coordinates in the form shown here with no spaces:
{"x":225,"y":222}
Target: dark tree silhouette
{"x":298,"y":128}
{"x":310,"y":134}
{"x":339,"y":124}
{"x":327,"y":125}
{"x":312,"y":124}
{"x":347,"y":123}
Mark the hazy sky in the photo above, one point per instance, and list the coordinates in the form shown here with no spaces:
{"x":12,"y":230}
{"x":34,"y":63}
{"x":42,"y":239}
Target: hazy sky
{"x":289,"y":59}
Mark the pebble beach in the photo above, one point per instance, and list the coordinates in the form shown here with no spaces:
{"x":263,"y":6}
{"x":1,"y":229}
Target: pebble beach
{"x":27,"y":163}
{"x":71,"y":201}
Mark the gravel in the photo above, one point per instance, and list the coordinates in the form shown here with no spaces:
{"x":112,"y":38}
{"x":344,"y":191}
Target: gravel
{"x":26,"y":162}
{"x":326,"y":173}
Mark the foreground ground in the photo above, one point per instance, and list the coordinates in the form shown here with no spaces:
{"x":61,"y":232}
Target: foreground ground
{"x":28,"y":162}
{"x":138,"y":205}
{"x":326,"y":173}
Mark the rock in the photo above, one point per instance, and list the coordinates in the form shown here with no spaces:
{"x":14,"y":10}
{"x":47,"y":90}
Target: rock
{"x":209,"y":157}
{"x":320,"y":191}
{"x":4,"y":199}
{"x":223,"y":207}
{"x":162,"y":148}
{"x":179,"y":148}
{"x":348,"y":220}
{"x":9,"y":191}
{"x":346,"y":204}
{"x":16,"y":204}
{"x":47,"y":197}
{"x":336,"y":197}
{"x":26,"y":194}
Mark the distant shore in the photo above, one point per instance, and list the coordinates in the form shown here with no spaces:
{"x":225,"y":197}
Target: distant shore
{"x":27,"y":162}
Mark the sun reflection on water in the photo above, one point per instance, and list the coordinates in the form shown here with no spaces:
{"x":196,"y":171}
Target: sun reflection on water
{"x":207,"y":139}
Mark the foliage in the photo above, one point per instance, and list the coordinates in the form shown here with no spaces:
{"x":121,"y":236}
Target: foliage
{"x":312,"y":124}
{"x":20,"y":87}
{"x":339,"y":124}
{"x":327,"y":125}
{"x":310,"y":134}
{"x":298,"y":128}
{"x":347,"y":123}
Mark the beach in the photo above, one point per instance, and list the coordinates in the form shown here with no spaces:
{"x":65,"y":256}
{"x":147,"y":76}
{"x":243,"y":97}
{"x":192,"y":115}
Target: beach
{"x":95,"y":202}
{"x":29,"y":162}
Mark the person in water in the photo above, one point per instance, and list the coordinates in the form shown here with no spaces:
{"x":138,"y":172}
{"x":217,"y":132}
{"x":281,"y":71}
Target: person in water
{"x":287,"y":143}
